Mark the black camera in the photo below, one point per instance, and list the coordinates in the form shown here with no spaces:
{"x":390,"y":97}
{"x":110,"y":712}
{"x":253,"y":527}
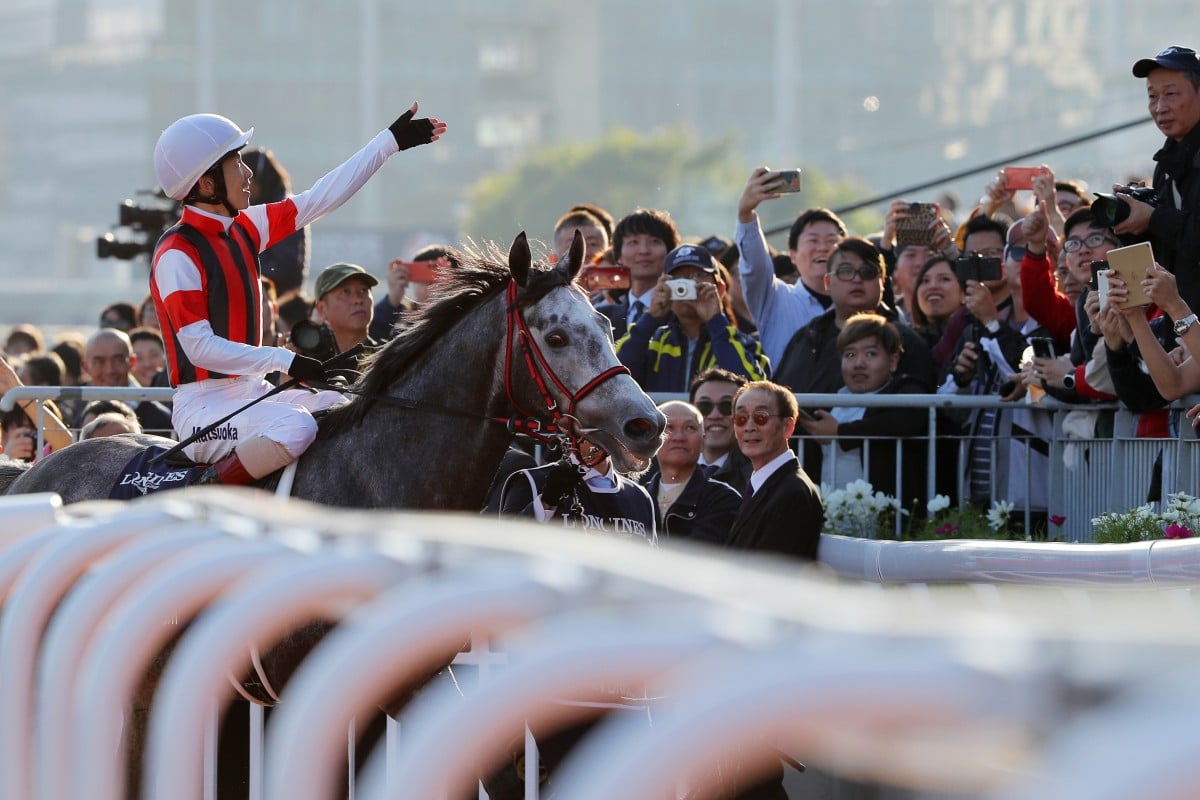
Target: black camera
{"x":975,"y":267}
{"x":139,"y":227}
{"x":313,"y":340}
{"x":1111,"y":209}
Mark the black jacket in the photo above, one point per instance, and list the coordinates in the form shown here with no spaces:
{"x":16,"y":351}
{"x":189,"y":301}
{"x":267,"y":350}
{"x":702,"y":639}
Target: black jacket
{"x":703,"y":512}
{"x":735,"y":471}
{"x":889,"y":430}
{"x":784,"y":516}
{"x":811,"y":363}
{"x":1174,"y":230}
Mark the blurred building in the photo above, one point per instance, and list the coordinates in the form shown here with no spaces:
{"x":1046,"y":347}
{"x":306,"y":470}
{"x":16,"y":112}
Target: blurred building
{"x":887,"y":92}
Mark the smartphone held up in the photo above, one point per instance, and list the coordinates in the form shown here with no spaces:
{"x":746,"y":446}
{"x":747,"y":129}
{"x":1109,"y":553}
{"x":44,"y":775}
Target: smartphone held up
{"x":916,"y":226}
{"x":785,"y":181}
{"x":1020,"y":178}
{"x":603,"y":278}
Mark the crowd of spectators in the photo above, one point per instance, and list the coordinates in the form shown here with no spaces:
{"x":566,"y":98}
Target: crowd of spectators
{"x":1004,"y":300}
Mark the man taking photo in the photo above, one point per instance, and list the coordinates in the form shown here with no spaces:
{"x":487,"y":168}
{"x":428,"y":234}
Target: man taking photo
{"x":1172,"y":219}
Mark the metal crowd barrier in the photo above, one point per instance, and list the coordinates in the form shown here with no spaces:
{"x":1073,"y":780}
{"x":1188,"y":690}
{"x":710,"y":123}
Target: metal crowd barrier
{"x":985,"y":688}
{"x":1084,"y":477}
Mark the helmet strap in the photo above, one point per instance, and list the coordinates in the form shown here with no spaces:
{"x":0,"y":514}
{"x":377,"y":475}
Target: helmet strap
{"x":220,"y":195}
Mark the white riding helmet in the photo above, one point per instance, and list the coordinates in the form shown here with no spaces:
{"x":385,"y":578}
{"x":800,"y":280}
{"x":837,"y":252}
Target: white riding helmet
{"x":189,"y":146}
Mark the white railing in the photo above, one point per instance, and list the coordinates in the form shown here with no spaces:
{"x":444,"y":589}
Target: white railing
{"x":983,"y":688}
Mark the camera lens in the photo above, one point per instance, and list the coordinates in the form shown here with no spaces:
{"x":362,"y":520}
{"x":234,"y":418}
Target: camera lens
{"x":1110,"y":210}
{"x":306,"y":336}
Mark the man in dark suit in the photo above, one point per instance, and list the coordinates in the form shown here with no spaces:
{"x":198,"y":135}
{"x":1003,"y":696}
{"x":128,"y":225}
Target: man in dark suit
{"x":712,"y":393}
{"x":781,"y":508}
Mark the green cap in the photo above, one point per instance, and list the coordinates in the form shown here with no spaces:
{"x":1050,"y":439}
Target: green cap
{"x":332,"y":277}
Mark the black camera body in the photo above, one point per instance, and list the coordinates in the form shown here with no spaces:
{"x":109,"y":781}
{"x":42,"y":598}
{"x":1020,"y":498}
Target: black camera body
{"x":313,"y":340}
{"x":1112,"y":209}
{"x":975,"y":267}
{"x":139,"y":227}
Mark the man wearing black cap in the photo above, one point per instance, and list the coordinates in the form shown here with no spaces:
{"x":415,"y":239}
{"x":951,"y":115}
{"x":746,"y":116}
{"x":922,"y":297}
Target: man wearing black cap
{"x":1172,"y":220}
{"x":686,"y":331}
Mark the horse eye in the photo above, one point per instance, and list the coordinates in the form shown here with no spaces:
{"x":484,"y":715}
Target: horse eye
{"x":556,"y":339}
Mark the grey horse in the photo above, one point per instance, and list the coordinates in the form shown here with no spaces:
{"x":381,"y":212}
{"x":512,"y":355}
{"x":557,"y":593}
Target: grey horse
{"x":430,"y":418}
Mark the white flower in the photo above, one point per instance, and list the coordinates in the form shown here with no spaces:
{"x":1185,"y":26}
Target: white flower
{"x":939,"y":503}
{"x":998,"y":514}
{"x":859,"y":490}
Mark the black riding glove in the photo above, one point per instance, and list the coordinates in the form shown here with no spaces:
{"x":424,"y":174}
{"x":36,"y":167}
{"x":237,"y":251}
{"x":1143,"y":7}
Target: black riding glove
{"x":411,"y":132}
{"x":306,"y":369}
{"x":561,"y":481}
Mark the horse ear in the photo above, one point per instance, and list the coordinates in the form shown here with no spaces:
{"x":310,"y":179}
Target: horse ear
{"x":519,"y":259}
{"x":574,"y":258}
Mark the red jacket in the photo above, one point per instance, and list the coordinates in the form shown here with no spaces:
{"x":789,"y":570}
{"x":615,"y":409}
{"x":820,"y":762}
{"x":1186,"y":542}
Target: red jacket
{"x":1054,"y":311}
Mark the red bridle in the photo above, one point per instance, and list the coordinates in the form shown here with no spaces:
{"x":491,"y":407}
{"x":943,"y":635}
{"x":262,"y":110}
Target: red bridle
{"x":522,"y":421}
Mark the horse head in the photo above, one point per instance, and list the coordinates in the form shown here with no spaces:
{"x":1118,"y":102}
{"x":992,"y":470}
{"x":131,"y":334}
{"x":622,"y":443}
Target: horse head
{"x":583,"y":375}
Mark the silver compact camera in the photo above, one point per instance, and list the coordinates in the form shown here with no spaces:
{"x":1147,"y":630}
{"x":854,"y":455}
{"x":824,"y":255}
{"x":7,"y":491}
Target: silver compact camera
{"x":682,"y":288}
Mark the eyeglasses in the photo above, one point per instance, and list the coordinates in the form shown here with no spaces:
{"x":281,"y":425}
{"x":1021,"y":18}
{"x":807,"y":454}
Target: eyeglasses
{"x":759,"y":417}
{"x":1016,"y":252}
{"x":846,"y":272}
{"x":725,"y":407}
{"x":1075,"y":244}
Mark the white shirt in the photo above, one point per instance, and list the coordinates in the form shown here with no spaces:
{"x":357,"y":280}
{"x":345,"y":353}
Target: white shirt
{"x":759,"y":476}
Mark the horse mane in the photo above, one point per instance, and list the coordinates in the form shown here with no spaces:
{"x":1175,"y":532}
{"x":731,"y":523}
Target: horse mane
{"x":480,"y":274}
{"x":10,"y":470}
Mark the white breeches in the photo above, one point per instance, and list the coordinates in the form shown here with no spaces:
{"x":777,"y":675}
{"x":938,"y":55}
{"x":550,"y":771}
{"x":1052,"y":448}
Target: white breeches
{"x":285,"y":418}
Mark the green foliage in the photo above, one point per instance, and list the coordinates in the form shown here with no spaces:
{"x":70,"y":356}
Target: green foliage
{"x":858,"y":510}
{"x":1179,"y":519}
{"x":697,"y":183}
{"x":968,"y":522}
{"x":1137,"y":525}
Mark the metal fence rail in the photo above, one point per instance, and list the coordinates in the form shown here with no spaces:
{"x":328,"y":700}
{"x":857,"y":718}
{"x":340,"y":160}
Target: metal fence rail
{"x":1084,"y":477}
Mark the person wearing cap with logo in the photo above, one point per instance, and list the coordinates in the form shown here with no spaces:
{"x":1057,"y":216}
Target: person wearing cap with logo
{"x":688,"y":328}
{"x":204,"y":279}
{"x":1171,"y":220}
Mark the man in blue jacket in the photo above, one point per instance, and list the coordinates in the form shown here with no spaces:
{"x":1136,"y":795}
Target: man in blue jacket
{"x":688,"y":329}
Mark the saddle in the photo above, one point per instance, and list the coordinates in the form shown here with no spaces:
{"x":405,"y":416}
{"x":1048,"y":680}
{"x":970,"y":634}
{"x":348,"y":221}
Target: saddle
{"x":145,"y":474}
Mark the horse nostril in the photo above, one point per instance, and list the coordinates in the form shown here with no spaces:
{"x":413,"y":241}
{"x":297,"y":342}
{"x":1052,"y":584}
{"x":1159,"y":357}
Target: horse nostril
{"x":640,"y":428}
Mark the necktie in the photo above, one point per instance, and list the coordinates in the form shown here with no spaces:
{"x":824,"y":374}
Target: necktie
{"x":709,"y":469}
{"x":635,"y":311}
{"x":746,"y":498}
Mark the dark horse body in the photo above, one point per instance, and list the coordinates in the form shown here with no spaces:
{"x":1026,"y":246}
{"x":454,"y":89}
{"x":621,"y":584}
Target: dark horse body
{"x":427,"y":429}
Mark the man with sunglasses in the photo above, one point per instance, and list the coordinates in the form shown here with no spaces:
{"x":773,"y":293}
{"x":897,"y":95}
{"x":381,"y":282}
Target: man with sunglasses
{"x":712,"y":393}
{"x":781,"y":508}
{"x":811,"y":362}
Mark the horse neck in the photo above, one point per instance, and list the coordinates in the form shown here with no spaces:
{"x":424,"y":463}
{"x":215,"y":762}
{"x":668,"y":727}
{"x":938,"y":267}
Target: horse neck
{"x":440,"y":454}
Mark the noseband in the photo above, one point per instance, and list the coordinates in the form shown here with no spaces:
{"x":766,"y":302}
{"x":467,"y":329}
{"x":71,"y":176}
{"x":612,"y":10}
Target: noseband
{"x":522,"y":422}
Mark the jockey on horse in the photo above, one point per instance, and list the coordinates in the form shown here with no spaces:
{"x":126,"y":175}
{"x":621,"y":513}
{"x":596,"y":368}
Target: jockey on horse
{"x":205,"y":284}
